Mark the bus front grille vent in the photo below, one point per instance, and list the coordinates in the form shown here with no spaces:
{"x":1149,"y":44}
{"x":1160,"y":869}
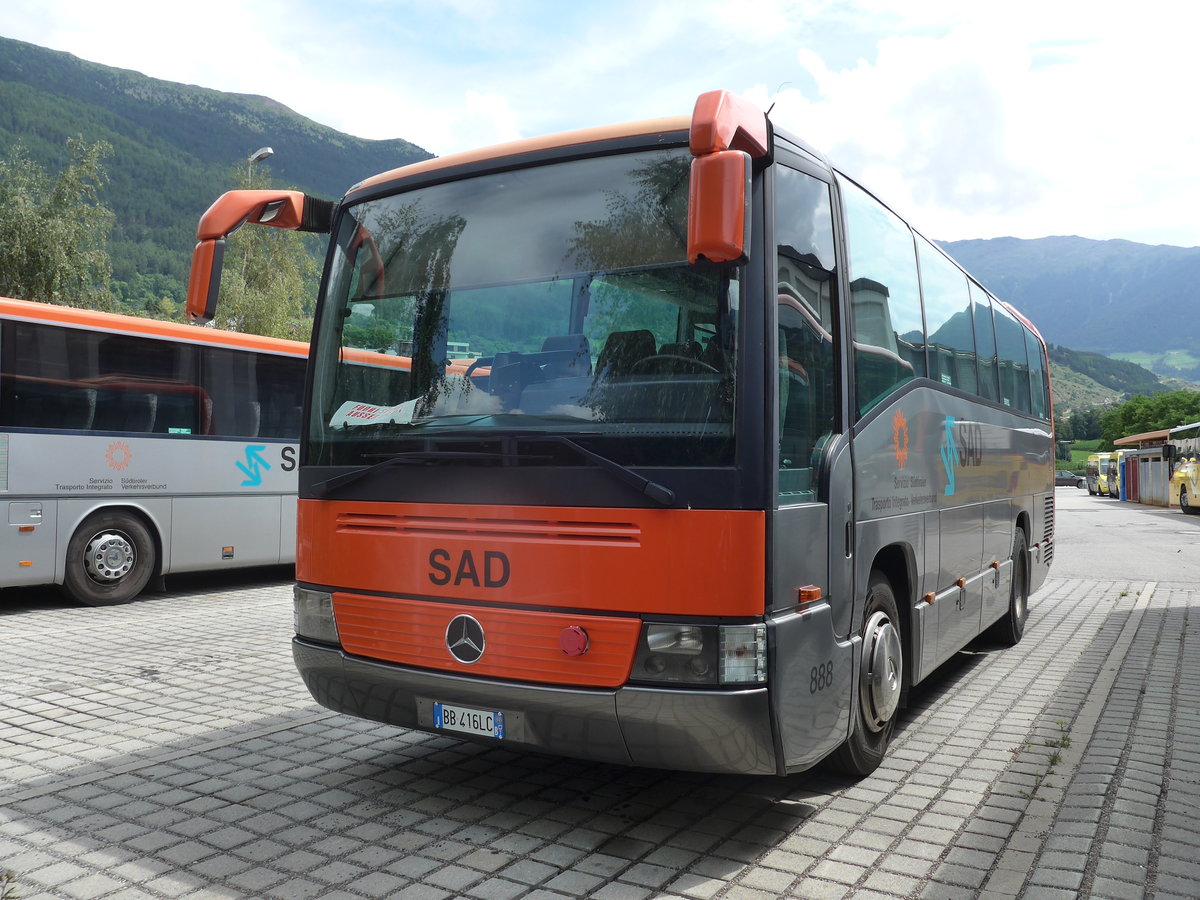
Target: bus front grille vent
{"x":524,"y":530}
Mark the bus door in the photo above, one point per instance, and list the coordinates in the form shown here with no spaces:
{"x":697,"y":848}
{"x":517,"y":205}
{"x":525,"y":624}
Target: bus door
{"x":811,"y":569}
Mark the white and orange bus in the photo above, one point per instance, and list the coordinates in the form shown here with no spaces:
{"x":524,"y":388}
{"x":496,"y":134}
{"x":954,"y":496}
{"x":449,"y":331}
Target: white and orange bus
{"x":736,"y":459}
{"x":131,"y":449}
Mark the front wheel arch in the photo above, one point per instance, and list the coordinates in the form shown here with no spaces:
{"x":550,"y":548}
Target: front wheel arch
{"x":881,"y":681}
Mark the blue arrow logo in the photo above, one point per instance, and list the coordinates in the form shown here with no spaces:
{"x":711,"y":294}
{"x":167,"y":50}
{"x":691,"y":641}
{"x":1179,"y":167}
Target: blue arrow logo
{"x":254,"y":465}
{"x":949,"y":455}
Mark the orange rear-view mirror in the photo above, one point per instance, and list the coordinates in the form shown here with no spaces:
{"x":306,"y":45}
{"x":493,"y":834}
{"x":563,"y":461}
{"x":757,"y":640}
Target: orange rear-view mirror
{"x":718,"y":222}
{"x":280,"y":209}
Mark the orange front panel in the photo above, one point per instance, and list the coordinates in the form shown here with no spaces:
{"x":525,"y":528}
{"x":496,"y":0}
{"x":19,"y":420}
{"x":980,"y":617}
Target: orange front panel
{"x":670,"y":561}
{"x":520,"y":644}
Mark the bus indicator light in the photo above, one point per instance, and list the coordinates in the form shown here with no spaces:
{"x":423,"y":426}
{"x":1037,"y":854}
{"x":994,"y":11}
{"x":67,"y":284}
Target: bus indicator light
{"x":226,"y":553}
{"x":25,"y":529}
{"x":810,"y":593}
{"x":25,"y":563}
{"x":743,"y":654}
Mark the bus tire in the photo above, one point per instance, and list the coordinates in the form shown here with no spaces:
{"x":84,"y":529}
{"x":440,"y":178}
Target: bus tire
{"x":1185,"y":505}
{"x":110,"y":558}
{"x":1011,"y":626}
{"x":880,"y":683}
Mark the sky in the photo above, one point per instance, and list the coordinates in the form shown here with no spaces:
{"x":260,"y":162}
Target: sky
{"x":971,"y":119}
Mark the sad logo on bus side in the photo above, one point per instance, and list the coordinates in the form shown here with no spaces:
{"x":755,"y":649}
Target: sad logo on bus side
{"x":961,"y":446}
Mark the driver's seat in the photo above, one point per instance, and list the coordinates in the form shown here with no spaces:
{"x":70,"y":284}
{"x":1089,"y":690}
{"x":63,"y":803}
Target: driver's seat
{"x":622,"y":350}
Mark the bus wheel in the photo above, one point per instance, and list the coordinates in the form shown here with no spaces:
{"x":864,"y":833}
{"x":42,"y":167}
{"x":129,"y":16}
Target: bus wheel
{"x":1184,"y":506}
{"x":1011,"y":626}
{"x":109,"y":559}
{"x":880,"y":683}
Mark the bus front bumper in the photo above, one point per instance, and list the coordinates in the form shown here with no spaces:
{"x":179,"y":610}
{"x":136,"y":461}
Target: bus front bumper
{"x":693,"y":730}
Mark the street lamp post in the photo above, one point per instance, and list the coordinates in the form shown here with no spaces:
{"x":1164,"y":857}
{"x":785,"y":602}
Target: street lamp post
{"x":257,"y":156}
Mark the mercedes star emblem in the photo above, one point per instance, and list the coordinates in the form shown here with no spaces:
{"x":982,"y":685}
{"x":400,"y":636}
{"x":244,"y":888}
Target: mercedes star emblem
{"x":464,"y":639}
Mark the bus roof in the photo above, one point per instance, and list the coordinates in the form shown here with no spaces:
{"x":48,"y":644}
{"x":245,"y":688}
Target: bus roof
{"x":665,"y":125}
{"x":91,"y":319}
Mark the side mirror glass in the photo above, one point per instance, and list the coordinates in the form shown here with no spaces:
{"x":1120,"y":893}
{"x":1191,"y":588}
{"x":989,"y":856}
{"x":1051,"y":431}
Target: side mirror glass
{"x":718,"y":197}
{"x":204,"y":281}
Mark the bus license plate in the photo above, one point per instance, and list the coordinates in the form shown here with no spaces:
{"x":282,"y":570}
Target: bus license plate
{"x":483,"y":723}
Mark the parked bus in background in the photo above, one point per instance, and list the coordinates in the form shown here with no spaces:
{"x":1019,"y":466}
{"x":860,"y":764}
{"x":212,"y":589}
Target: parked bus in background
{"x":1185,"y":475}
{"x":1097,"y":473}
{"x":1114,"y":473}
{"x":131,"y":449}
{"x":738,"y":457}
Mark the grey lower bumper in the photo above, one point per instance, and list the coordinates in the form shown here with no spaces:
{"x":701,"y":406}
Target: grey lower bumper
{"x":703,"y":731}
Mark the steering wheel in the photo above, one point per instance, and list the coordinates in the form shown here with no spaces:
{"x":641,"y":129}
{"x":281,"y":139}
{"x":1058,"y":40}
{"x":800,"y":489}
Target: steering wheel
{"x":670,"y":363}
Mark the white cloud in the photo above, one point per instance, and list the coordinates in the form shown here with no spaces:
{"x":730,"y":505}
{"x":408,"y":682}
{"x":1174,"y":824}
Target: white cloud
{"x":1014,"y":124}
{"x":1025,"y":118}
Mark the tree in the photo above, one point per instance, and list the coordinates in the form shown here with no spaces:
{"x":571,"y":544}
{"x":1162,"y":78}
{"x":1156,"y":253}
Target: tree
{"x":1085,"y":424}
{"x":269,"y":281}
{"x":54,"y":231}
{"x":1141,"y":414}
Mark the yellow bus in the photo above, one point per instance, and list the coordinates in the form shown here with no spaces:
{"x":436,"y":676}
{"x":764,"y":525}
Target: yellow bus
{"x":1114,"y":466}
{"x":1185,"y":475}
{"x":1097,"y":473}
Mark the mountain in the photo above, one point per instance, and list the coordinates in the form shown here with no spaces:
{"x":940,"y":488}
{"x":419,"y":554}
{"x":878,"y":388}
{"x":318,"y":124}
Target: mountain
{"x":175,"y":147}
{"x":1115,"y":297}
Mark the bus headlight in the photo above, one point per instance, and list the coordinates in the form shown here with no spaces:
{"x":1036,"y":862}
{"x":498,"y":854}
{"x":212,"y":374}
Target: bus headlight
{"x":312,"y":615}
{"x":701,"y":654}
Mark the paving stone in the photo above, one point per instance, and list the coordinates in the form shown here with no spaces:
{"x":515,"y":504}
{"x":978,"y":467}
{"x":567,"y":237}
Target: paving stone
{"x":234,"y":784}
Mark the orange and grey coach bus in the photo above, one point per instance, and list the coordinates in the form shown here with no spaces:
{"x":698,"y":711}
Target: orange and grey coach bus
{"x":726,"y":457}
{"x":133,"y":448}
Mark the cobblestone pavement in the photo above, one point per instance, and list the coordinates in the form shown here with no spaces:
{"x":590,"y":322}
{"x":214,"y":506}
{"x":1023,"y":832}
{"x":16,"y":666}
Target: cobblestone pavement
{"x":167,"y":748}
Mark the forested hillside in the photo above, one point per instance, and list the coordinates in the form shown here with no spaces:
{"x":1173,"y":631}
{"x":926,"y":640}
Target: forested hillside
{"x":175,"y":149}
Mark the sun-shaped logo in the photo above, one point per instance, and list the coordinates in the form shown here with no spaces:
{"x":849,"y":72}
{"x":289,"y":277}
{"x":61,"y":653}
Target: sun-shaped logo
{"x":900,"y":438}
{"x":118,"y":455}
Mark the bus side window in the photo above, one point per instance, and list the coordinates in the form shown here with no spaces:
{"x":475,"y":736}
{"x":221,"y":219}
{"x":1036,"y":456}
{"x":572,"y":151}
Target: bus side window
{"x":806,"y":298}
{"x":39,"y":387}
{"x":1038,"y":378}
{"x":252,"y":395}
{"x":985,"y":342}
{"x":889,"y":335}
{"x":951,"y":343}
{"x":1013,"y":360}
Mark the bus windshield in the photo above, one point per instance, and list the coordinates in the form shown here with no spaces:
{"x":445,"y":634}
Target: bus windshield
{"x":551,"y":299}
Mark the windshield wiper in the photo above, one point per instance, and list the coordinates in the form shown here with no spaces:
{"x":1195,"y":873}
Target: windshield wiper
{"x":409,"y":458}
{"x":659,"y":493}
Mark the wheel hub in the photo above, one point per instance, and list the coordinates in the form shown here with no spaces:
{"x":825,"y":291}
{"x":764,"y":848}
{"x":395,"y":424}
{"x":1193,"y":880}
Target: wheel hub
{"x":881,"y":671}
{"x":109,"y":557}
